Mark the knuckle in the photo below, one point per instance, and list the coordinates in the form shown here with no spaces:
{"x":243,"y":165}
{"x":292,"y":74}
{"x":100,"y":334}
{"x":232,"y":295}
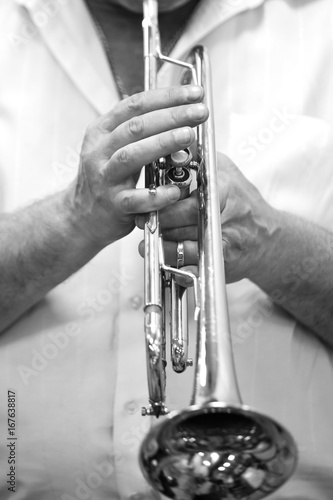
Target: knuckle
{"x":106,"y":124}
{"x":135,"y":103}
{"x":123,"y":156}
{"x":136,"y":126}
{"x":126,"y":203}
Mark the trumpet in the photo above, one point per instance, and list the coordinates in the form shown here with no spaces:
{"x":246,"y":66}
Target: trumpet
{"x":217,"y":447}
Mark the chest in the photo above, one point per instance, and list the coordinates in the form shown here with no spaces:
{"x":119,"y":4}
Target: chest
{"x":120,"y":32}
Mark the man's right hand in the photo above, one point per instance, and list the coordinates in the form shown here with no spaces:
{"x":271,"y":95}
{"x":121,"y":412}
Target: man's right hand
{"x":137,"y":131}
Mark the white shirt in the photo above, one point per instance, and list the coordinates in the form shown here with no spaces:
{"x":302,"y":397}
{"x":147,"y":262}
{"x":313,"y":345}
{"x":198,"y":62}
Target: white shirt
{"x":76,"y":360}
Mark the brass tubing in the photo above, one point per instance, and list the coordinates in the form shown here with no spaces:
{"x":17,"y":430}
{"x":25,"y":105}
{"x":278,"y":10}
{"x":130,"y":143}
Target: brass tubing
{"x":216,"y":448}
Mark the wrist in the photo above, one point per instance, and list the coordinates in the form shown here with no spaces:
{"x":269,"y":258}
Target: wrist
{"x":79,"y":222}
{"x":270,"y":235}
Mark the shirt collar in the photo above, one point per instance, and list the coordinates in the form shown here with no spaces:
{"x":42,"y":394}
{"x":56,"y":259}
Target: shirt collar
{"x":208,"y":16}
{"x":71,"y":37}
{"x":69,"y":33}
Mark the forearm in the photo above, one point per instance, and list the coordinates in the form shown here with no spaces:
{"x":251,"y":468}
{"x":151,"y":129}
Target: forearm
{"x":40,"y":246}
{"x":297,"y":272}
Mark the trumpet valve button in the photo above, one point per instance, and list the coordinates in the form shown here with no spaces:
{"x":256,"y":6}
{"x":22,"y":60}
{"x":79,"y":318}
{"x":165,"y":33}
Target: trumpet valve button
{"x":180,"y":158}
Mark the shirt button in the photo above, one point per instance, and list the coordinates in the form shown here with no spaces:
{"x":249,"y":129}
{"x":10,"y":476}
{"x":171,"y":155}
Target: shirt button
{"x":131,"y":407}
{"x":136,"y":302}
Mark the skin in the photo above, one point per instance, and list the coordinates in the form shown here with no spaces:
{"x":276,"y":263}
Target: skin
{"x":45,"y":243}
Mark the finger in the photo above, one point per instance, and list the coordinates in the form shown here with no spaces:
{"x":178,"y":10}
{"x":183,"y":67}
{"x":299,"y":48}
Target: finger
{"x":174,"y":219}
{"x":187,"y":282}
{"x":170,"y":253}
{"x":155,"y":122}
{"x":140,"y":221}
{"x":190,"y":251}
{"x":181,"y":233}
{"x":184,"y":213}
{"x":145,"y":102}
{"x":132,"y":201}
{"x":175,"y":234}
{"x":128,"y":161}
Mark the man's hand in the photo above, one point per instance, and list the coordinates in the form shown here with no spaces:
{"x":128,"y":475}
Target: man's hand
{"x":139,"y":130}
{"x":276,"y":250}
{"x":245,"y":222}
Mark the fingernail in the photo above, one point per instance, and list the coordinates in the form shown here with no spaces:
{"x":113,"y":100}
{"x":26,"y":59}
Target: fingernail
{"x":182,"y":135}
{"x":194,"y":93}
{"x":173,"y":193}
{"x":197,"y":111}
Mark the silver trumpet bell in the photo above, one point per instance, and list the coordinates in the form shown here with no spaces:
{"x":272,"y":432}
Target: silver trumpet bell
{"x":217,"y":448}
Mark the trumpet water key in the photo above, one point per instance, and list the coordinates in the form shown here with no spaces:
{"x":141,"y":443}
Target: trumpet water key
{"x":216,"y":448}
